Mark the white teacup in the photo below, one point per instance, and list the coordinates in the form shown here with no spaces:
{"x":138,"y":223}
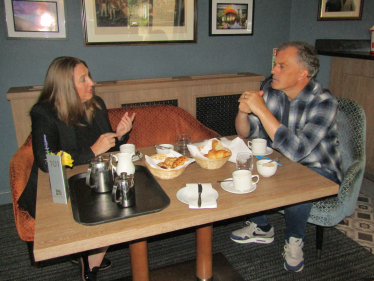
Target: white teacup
{"x":258,"y":146}
{"x":243,"y":179}
{"x":127,"y":148}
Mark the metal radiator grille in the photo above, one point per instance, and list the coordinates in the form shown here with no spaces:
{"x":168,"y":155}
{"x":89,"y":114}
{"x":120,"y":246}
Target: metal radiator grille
{"x":170,"y":102}
{"x":218,"y":113}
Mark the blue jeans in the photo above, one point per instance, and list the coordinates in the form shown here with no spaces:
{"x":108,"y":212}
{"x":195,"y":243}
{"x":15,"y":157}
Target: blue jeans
{"x":296,"y":215}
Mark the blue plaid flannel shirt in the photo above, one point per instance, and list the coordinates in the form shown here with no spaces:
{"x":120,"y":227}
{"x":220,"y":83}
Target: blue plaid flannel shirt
{"x":312,"y":136}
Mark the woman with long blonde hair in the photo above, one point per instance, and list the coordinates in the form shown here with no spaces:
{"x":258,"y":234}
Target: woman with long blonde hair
{"x":69,"y":117}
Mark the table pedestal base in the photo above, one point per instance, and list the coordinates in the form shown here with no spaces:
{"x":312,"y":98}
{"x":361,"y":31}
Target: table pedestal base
{"x":186,"y":271}
{"x":139,"y":260}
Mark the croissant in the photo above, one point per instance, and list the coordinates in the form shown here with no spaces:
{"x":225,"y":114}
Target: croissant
{"x":217,"y":145}
{"x":169,"y":161}
{"x":217,"y":154}
{"x":172,"y":162}
{"x":163,"y":165}
{"x":179,"y":162}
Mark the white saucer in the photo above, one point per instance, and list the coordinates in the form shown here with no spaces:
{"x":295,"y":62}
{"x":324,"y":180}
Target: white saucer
{"x":269,"y":151}
{"x":229,"y":187}
{"x":137,"y":157}
{"x":183,"y":196}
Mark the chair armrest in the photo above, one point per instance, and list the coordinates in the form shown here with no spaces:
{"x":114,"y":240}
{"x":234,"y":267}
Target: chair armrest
{"x":19,"y":170}
{"x":350,"y":186}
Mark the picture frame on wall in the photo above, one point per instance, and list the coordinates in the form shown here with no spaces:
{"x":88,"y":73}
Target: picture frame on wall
{"x":340,"y":9}
{"x":139,"y":22}
{"x":230,"y":17}
{"x":43,"y":19}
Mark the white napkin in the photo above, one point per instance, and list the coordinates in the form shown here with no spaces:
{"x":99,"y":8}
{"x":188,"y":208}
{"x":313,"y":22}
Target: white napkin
{"x":237,"y":145}
{"x":153,"y":162}
{"x":208,"y":196}
{"x":194,"y":150}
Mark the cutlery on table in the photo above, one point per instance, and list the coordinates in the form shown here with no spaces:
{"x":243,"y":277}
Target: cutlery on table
{"x":267,"y":158}
{"x":224,"y":181}
{"x":275,"y":160}
{"x":200,"y":190}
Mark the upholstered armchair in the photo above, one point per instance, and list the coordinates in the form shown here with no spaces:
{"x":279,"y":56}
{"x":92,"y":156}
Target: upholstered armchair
{"x":19,"y":172}
{"x":352,"y":133}
{"x":154,"y":124}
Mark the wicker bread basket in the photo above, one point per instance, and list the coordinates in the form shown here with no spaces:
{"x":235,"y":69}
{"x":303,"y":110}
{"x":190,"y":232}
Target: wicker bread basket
{"x":212,"y":164}
{"x":165,"y":174}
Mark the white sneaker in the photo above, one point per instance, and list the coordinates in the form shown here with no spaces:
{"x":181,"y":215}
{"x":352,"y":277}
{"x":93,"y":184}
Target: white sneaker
{"x":293,"y":255}
{"x":252,"y":234}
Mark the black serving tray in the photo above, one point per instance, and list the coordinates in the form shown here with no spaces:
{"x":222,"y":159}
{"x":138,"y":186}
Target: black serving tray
{"x":91,"y":208}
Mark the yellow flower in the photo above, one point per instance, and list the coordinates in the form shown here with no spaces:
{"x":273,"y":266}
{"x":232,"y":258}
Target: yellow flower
{"x":65,"y":158}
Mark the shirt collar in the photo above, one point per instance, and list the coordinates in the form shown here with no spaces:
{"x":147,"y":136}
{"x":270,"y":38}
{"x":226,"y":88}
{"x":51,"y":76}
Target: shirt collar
{"x":309,"y":91}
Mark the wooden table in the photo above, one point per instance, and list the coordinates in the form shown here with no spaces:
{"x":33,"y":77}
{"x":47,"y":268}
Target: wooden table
{"x":57,"y":234}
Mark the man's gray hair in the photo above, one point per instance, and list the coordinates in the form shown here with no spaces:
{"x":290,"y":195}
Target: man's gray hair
{"x":307,"y":56}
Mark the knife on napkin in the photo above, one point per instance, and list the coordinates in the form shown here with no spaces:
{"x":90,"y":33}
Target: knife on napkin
{"x":208,"y":196}
{"x":200,"y":190}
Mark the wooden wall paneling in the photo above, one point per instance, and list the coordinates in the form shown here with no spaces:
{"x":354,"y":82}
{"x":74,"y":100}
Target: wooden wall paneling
{"x":22,"y":99}
{"x":354,"y":79}
{"x":115,"y":93}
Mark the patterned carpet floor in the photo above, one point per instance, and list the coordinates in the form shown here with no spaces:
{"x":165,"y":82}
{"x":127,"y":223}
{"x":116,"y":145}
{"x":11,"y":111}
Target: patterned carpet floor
{"x":342,"y":258}
{"x":360,"y":226}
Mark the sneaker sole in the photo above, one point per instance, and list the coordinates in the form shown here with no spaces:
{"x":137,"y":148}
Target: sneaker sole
{"x":258,"y":240}
{"x":300,"y":269}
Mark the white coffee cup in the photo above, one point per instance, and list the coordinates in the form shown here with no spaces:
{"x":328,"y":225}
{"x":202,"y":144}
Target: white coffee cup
{"x":243,"y":179}
{"x":258,"y":146}
{"x":127,"y":148}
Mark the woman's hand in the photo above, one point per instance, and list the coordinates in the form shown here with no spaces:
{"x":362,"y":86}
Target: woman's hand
{"x":104,"y":143}
{"x":125,"y":124}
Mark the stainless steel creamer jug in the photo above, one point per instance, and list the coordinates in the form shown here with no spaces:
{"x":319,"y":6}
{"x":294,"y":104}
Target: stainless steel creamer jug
{"x":123,"y":191}
{"x":100,"y":175}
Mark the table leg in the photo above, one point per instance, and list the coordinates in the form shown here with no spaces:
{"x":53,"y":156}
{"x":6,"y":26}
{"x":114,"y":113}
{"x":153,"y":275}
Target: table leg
{"x":139,"y":260}
{"x":204,"y":253}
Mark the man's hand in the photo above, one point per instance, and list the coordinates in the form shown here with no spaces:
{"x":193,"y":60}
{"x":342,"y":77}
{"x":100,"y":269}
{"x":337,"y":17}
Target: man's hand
{"x":244,"y":108}
{"x":252,"y":102}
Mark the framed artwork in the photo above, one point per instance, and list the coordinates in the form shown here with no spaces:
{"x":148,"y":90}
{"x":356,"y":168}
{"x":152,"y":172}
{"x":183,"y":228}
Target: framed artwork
{"x":139,"y":22}
{"x":35,"y":19}
{"x":340,"y":9}
{"x":231,"y":17}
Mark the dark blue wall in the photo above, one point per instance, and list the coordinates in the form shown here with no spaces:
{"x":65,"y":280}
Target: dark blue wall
{"x":305,"y":27}
{"x":24,"y":62}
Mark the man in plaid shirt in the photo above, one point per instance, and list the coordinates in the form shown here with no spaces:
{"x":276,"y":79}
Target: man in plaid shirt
{"x":299,"y":119}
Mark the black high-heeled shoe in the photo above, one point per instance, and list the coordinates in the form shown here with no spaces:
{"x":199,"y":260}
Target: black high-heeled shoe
{"x":105,"y":264}
{"x":87,"y":273}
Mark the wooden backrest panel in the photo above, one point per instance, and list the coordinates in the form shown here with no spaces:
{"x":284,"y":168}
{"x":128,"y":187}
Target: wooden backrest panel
{"x":184,"y":89}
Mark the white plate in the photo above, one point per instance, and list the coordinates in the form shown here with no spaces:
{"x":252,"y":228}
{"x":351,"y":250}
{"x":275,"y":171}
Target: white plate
{"x":269,"y":151}
{"x":183,"y":196}
{"x":229,"y":187}
{"x":137,"y":157}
